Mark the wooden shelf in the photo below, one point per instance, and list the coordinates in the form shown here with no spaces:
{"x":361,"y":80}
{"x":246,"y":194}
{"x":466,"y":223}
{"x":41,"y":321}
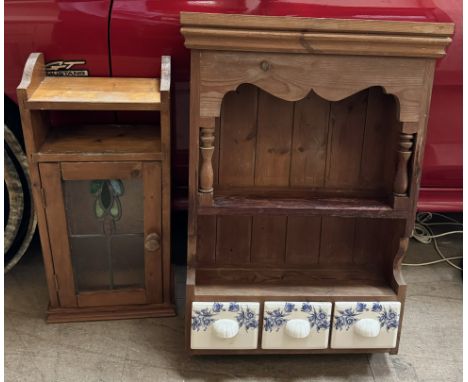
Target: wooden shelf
{"x":96,"y":93}
{"x":101,"y":142}
{"x":331,"y":206}
{"x":318,"y":292}
{"x":317,"y":283}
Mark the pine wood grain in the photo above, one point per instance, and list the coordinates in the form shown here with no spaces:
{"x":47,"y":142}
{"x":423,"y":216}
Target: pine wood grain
{"x":238,"y":137}
{"x":271,"y":273}
{"x":206,"y":240}
{"x":105,"y":313}
{"x":101,"y":142}
{"x":310,"y":136}
{"x":317,"y":292}
{"x":57,"y":232}
{"x":314,"y":24}
{"x":293,"y":80}
{"x":96,"y":93}
{"x":152,"y":188}
{"x":303,"y":240}
{"x":337,"y":241}
{"x":233,"y":249}
{"x":377,"y":165}
{"x":347,"y":126}
{"x":109,"y":298}
{"x":268,"y":239}
{"x":101,"y":170}
{"x":274,"y":138}
{"x":332,"y":206}
{"x":35,"y":130}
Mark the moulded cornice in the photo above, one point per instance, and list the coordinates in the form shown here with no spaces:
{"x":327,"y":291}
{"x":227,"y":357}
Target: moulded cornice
{"x":315,"y":36}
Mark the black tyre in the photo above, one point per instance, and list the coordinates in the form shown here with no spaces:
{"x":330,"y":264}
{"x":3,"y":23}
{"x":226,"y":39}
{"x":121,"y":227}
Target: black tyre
{"x":19,"y":216}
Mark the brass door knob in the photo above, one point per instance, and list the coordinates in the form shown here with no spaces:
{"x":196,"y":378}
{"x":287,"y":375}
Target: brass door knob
{"x":152,"y":242}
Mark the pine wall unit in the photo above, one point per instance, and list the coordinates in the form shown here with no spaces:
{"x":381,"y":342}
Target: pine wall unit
{"x":306,"y":146}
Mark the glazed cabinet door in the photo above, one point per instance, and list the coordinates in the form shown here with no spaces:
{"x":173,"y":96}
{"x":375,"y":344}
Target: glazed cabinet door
{"x":104,"y":224}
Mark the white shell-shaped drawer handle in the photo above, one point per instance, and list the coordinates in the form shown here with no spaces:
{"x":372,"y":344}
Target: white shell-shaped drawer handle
{"x":226,"y":328}
{"x":298,"y":328}
{"x":367,"y":327}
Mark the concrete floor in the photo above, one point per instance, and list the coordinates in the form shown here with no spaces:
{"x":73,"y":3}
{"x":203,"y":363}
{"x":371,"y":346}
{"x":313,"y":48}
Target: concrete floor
{"x":152,"y":349}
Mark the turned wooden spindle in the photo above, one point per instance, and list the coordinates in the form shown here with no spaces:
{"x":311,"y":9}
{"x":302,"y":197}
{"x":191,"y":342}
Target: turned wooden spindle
{"x":400,"y":186}
{"x":206,"y":152}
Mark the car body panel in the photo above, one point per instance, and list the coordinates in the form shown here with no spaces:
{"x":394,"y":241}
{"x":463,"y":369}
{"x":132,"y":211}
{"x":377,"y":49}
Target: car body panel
{"x":141,"y":31}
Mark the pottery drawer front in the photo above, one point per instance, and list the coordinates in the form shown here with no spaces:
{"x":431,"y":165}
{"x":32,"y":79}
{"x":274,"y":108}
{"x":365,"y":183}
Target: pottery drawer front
{"x":358,"y":325}
{"x":296,"y":325}
{"x":224,"y":325}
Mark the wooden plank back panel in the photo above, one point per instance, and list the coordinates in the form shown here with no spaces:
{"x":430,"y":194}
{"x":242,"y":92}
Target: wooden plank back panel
{"x":309,"y":146}
{"x":237,"y":137}
{"x":303,"y":240}
{"x":369,"y":241}
{"x":268,"y":239}
{"x":337,"y":241}
{"x":330,"y":242}
{"x":233,"y":240}
{"x":206,"y":240}
{"x":347,"y":123}
{"x":311,"y":143}
{"x":274,"y":136}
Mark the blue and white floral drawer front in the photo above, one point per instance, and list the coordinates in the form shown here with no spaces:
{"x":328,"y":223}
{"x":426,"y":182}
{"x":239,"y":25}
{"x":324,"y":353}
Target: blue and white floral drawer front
{"x":358,"y":325}
{"x":296,"y":325}
{"x":224,"y":325}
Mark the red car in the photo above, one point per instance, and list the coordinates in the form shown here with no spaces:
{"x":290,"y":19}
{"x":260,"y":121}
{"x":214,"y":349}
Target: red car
{"x":127,"y":38}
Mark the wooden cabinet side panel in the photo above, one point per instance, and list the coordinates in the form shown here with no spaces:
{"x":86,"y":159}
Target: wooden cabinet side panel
{"x":153,"y":224}
{"x":193,"y":155}
{"x":378,"y":159}
{"x":58,"y":234}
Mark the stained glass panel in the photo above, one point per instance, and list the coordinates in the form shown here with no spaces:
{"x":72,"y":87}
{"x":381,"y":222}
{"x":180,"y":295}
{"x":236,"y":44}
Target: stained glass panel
{"x":105,"y":225}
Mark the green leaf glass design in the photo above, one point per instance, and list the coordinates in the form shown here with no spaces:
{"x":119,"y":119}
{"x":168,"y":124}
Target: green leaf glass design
{"x":107,"y":193}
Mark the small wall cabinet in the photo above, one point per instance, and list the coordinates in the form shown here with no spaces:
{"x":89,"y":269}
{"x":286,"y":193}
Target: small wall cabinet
{"x":102,"y":193}
{"x":306,"y":146}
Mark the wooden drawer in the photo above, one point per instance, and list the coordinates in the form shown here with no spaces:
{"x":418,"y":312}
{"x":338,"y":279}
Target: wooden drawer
{"x":296,"y":325}
{"x":224,"y":325}
{"x":358,"y":325}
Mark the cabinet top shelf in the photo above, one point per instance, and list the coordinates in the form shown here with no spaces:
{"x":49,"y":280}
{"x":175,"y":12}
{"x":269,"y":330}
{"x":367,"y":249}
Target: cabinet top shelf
{"x":96,"y":93}
{"x":39,"y":92}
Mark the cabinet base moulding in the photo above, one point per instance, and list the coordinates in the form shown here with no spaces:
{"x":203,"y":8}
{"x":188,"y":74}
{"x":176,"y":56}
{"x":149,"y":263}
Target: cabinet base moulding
{"x":289,"y":351}
{"x":63,"y":315}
